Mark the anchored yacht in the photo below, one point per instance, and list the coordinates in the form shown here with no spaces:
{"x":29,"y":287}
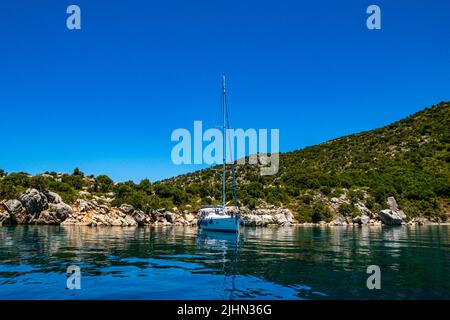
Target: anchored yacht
{"x":219,"y":218}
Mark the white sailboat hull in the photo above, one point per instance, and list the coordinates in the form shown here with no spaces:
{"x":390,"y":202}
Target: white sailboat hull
{"x":220,"y":224}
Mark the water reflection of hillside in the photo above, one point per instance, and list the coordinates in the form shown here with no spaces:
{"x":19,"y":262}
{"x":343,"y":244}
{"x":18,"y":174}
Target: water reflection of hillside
{"x":328,"y":260}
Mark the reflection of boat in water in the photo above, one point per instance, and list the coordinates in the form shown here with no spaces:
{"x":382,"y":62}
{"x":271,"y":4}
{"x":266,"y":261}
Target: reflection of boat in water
{"x":218,"y":218}
{"x":218,"y":240}
{"x":226,"y":246}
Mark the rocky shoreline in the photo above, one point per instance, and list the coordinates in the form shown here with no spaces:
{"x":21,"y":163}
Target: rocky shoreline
{"x":48,"y":208}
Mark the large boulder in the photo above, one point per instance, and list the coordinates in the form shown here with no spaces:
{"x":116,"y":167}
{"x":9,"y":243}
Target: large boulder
{"x":52,"y":197}
{"x":60,"y":211}
{"x":17,"y":212}
{"x":55,"y":214}
{"x":34,"y":201}
{"x":363,"y":219}
{"x":5,"y":218}
{"x":170,"y":217}
{"x":390,"y":217}
{"x":140,"y":217}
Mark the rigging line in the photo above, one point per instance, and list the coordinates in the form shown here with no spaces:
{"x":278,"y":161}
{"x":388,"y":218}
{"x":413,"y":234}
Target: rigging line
{"x":224,"y":142}
{"x":231,"y":155}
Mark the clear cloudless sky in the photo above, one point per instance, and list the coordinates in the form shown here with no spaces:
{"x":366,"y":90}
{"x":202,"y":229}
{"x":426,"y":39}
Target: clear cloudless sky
{"x":106,"y":98}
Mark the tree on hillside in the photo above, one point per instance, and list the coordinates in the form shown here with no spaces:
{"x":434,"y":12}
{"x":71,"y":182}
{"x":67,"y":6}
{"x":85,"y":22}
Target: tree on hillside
{"x":77,"y":172}
{"x":103,"y":184}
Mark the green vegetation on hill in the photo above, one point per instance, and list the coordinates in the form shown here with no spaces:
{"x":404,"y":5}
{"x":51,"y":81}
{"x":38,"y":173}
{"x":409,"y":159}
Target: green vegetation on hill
{"x":408,"y":159}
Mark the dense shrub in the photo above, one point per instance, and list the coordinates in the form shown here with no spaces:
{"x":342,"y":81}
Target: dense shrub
{"x":321,"y":212}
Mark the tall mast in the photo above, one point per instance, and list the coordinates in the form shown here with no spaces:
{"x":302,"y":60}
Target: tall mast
{"x":224,"y":106}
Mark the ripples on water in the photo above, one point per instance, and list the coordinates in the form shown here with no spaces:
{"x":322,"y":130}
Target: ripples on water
{"x":262,"y":263}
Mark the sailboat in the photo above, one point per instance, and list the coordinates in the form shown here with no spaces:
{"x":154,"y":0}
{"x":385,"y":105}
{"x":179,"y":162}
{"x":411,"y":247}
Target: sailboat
{"x":218,"y":218}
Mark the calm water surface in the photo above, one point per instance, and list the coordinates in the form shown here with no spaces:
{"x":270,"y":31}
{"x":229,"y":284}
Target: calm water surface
{"x":262,"y":263}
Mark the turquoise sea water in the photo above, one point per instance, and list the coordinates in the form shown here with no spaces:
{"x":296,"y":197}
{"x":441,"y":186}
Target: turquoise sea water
{"x":260,"y":263}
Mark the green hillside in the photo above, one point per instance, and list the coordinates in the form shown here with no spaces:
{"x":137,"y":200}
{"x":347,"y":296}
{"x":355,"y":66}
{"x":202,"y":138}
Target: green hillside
{"x":408,"y":159}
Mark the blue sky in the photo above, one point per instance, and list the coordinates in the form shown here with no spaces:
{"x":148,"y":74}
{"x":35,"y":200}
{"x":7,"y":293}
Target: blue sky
{"x":106,"y":98}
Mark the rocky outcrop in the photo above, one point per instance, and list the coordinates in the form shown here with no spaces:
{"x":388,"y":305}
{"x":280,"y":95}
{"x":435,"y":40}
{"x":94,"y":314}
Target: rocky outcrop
{"x":88,"y":213}
{"x":34,"y":201}
{"x":35,"y":207}
{"x":265,"y":217}
{"x":56,"y":213}
{"x":252,"y":220}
